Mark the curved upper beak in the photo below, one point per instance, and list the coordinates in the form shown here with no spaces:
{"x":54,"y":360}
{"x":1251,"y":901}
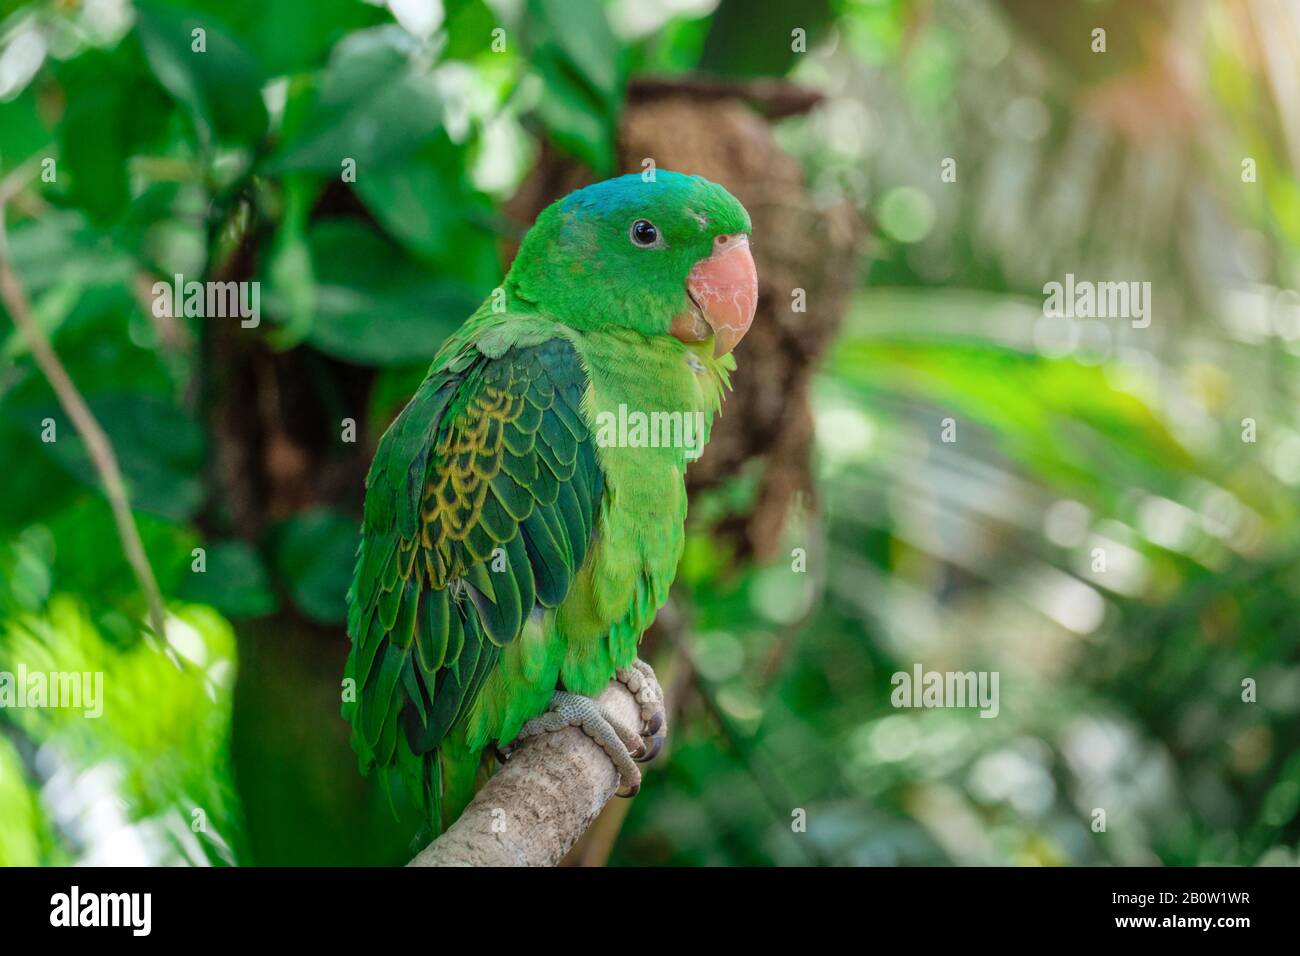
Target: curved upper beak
{"x":724,"y":294}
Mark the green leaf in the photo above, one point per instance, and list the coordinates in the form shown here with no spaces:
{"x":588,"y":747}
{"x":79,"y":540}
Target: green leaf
{"x":581,"y":78}
{"x":93,"y":153}
{"x":234,"y":581}
{"x":280,"y":36}
{"x":164,"y":728}
{"x":158,"y":447}
{"x":290,"y":266}
{"x":21,"y":131}
{"x":60,"y":249}
{"x":26,"y":570}
{"x":314,"y":554}
{"x":377,"y":103}
{"x":418,"y":203}
{"x":734,"y":48}
{"x":469,"y":27}
{"x":427,"y":204}
{"x":35,"y":490}
{"x":374,"y":305}
{"x":88,"y":556}
{"x":592,"y":51}
{"x":113,"y":110}
{"x":221,"y":84}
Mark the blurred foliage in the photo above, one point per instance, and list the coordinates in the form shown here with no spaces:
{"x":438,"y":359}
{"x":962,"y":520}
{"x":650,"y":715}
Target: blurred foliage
{"x":1121,"y":689}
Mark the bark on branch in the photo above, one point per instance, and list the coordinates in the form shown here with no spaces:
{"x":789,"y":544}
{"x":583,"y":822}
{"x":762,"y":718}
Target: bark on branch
{"x":537,"y":806}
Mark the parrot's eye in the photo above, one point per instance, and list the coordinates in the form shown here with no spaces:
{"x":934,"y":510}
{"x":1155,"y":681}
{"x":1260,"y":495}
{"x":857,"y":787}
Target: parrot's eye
{"x":644,"y":233}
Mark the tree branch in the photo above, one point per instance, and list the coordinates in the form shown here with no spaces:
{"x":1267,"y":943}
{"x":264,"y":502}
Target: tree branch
{"x":97,"y":443}
{"x":537,"y":806}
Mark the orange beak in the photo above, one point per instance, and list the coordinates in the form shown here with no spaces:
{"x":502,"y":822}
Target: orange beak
{"x":723,"y":290}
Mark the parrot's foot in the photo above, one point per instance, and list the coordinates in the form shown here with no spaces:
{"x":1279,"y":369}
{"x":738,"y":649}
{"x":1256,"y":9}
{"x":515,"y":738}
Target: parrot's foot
{"x":618,"y":742}
{"x":641,"y":682}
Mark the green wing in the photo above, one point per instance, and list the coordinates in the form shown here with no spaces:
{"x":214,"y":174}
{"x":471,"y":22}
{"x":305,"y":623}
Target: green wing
{"x":480,"y":506}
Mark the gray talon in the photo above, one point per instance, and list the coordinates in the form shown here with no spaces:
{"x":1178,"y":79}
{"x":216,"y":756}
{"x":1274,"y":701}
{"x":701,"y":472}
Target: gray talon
{"x":651,"y":751}
{"x":642,"y":684}
{"x":624,"y":748}
{"x":573,"y":710}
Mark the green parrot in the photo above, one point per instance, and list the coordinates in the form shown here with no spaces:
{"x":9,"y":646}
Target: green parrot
{"x":523,"y":522}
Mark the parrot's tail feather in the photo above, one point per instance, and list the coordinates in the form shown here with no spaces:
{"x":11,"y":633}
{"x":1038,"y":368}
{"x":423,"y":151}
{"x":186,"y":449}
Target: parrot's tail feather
{"x":458,"y":772}
{"x":433,"y":791}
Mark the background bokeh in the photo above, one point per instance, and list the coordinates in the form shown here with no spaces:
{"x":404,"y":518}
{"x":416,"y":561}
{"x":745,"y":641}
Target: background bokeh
{"x":1171,"y":157}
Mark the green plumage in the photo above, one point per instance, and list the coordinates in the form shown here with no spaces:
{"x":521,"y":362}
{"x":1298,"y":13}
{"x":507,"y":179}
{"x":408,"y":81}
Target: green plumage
{"x":504,"y":549}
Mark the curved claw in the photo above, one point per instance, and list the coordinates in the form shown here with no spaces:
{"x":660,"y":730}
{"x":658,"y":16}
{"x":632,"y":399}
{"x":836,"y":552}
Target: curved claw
{"x":654,"y":724}
{"x":629,"y":792}
{"x":650,"y":751}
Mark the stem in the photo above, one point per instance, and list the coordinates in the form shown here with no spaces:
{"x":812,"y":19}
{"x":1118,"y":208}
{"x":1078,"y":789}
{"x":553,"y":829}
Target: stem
{"x":97,"y":443}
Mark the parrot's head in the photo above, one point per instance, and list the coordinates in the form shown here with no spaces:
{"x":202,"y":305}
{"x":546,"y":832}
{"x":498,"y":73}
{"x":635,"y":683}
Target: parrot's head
{"x":664,"y":256}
